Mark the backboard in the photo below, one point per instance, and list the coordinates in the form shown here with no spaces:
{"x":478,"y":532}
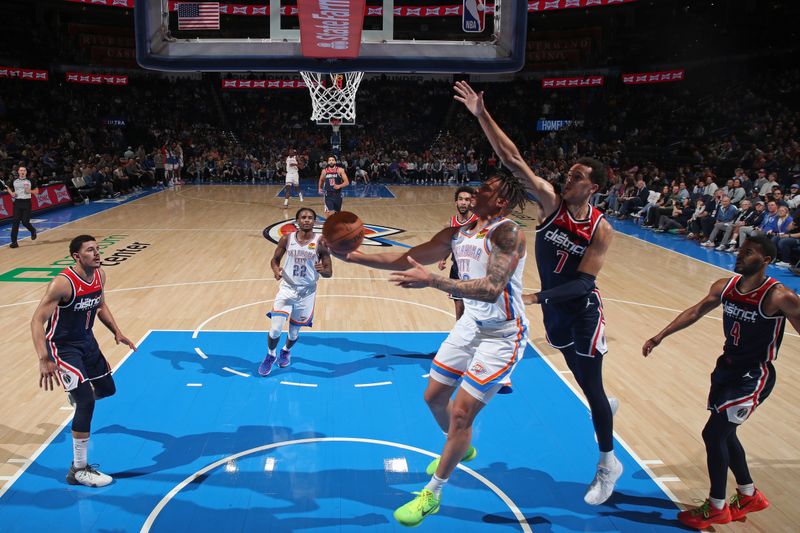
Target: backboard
{"x":456,"y":36}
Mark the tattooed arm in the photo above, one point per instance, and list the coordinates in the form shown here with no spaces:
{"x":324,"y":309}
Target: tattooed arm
{"x":508,"y":247}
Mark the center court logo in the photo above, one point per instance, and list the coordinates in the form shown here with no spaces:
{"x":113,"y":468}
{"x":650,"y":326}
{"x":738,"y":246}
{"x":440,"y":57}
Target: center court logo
{"x":373,"y":235}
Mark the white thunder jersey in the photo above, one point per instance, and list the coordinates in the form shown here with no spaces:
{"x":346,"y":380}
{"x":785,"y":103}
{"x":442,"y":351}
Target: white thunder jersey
{"x":471,"y":252}
{"x":298,"y":270}
{"x":291,"y":171}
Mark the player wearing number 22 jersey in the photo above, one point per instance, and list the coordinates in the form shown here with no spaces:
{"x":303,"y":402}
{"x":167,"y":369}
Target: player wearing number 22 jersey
{"x":307,"y":259}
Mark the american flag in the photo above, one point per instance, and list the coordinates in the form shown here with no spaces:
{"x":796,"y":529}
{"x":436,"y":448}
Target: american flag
{"x":198,"y":16}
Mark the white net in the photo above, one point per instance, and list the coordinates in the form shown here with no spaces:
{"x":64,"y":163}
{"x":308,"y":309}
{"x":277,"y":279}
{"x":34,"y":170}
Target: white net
{"x":333,"y":96}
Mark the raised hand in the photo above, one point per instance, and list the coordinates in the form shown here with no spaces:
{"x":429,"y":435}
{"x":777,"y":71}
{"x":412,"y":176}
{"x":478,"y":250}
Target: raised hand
{"x":466,"y":95}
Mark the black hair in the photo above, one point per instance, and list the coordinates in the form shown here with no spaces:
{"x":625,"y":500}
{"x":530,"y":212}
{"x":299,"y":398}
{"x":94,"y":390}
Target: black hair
{"x":297,"y":215}
{"x":598,"y":175}
{"x":511,"y":189}
{"x":333,"y":156}
{"x":768,"y":247}
{"x":466,"y":189}
{"x":76,"y":243}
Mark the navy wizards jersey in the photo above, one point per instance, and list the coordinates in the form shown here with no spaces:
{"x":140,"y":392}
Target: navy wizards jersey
{"x":332,"y":178}
{"x":72,"y":322}
{"x":561,"y":242}
{"x":751,"y":337}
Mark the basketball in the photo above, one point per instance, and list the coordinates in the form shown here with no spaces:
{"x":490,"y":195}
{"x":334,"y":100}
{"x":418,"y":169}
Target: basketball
{"x":344,"y":232}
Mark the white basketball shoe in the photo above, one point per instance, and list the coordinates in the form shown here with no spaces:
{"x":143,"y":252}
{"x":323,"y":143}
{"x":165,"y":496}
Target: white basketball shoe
{"x":88,"y":475}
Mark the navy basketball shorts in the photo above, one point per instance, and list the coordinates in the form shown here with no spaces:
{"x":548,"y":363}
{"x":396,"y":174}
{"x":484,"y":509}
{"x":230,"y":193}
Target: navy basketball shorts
{"x":333,"y":203}
{"x":78,"y":362}
{"x":738,"y":391}
{"x":580,"y":323}
{"x":454,"y":275}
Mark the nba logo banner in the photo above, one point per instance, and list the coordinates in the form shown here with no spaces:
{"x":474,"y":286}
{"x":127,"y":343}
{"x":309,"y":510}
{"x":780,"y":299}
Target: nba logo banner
{"x":473,"y":16}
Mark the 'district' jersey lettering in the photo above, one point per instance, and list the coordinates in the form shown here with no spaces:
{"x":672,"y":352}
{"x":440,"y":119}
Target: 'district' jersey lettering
{"x":84,"y":304}
{"x":562,"y":240}
{"x":735,"y":312}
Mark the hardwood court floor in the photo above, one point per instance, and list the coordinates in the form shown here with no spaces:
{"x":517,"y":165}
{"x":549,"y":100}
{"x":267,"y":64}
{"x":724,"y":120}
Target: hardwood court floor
{"x":206,"y":255}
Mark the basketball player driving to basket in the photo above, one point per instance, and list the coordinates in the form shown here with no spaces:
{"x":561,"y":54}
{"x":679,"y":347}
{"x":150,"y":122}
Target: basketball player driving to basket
{"x":485,"y":345}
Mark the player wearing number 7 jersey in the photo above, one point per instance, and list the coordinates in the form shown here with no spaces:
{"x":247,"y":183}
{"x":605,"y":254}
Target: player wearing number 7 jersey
{"x":307,"y":258}
{"x":755,"y":308}
{"x":571,"y":245}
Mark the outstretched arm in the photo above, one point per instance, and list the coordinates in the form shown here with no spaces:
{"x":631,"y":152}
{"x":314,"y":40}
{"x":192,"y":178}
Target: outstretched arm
{"x":506,"y":150}
{"x":434,"y":250}
{"x":508,"y":246}
{"x":688,"y":317}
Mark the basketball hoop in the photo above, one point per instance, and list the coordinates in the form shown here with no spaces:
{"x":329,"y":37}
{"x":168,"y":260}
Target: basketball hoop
{"x":333,"y":98}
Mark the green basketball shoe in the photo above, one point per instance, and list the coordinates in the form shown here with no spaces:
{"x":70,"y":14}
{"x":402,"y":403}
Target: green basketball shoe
{"x":414,"y":512}
{"x":471,"y":454}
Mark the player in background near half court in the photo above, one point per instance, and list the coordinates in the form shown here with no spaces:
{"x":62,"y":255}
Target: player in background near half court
{"x":332,"y":180}
{"x":68,"y":352}
{"x":307,"y":258}
{"x":463,"y":217}
{"x":292,"y":177}
{"x":571,"y":244}
{"x":755,"y":308}
{"x":485,"y":345}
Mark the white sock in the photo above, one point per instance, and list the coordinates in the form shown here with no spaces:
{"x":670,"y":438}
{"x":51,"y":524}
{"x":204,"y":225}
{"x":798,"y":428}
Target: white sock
{"x":80,"y":451}
{"x":607,"y":459}
{"x":286,"y":202}
{"x":716,"y":504}
{"x":301,"y":197}
{"x":435,"y":486}
{"x":747,"y":490}
{"x":271,"y":351}
{"x":285,"y":348}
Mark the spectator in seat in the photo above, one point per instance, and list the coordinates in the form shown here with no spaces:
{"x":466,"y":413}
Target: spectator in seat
{"x":636,"y":201}
{"x":782,"y":225}
{"x":750,"y":216}
{"x":724,"y":218}
{"x":768,"y":224}
{"x":789,"y":243}
{"x":693,"y":225}
{"x":678,"y":219}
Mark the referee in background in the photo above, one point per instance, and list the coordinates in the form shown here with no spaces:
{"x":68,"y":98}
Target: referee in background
{"x":21,"y":194}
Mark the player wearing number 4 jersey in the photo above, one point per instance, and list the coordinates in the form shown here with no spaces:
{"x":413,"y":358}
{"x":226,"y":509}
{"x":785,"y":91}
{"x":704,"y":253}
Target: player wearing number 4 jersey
{"x":68,"y":352}
{"x":571,"y":244}
{"x":754,"y":310}
{"x":307,"y":259}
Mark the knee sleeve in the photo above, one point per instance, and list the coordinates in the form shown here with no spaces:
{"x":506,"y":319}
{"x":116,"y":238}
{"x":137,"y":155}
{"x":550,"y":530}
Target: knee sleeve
{"x":276,"y":325}
{"x":294,"y":331}
{"x":83,"y":395}
{"x":104,"y":387}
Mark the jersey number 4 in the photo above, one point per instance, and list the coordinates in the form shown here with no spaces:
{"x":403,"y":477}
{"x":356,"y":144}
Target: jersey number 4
{"x":562,"y":259}
{"x":735,"y":333}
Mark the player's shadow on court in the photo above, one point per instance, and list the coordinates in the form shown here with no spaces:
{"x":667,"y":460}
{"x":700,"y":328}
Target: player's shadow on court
{"x":532,"y":489}
{"x":380,"y":357}
{"x":185,"y":449}
{"x":185,"y":360}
